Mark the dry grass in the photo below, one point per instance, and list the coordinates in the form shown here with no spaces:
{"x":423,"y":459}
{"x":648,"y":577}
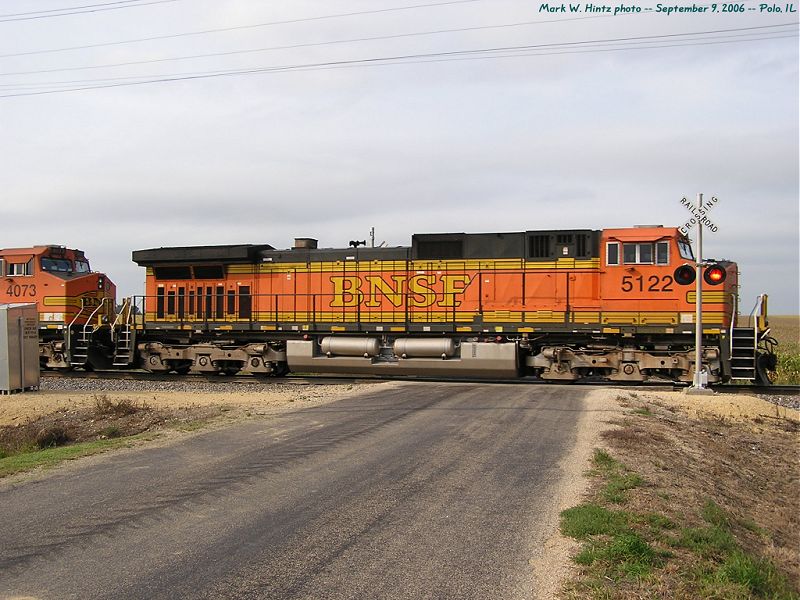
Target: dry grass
{"x":786,"y":329}
{"x":711,"y":504}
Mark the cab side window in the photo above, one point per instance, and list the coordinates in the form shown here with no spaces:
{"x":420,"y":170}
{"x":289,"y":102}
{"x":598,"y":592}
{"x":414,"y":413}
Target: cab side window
{"x":637,"y":254}
{"x":662,"y":253}
{"x":20,"y":269}
{"x":612,"y":253}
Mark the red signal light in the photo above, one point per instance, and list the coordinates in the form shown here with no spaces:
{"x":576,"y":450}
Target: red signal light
{"x":684,"y":275}
{"x":714,"y":275}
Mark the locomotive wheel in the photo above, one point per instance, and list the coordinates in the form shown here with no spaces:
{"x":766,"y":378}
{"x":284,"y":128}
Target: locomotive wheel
{"x":280,"y":369}
{"x":765,"y":369}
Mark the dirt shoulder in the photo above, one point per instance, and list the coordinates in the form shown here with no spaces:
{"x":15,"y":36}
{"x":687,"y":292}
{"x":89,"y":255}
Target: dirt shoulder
{"x":709,"y":489}
{"x":96,"y":412}
{"x":255,"y":399}
{"x":552,"y":565}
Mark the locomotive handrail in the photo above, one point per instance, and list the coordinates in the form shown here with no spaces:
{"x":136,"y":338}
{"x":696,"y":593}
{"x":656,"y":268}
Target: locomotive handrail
{"x":94,"y":312}
{"x":122,"y":318}
{"x":77,"y":315}
{"x":734,"y":312}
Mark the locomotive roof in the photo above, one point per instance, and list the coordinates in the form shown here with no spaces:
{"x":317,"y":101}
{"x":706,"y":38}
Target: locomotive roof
{"x":546,"y":244}
{"x":234,"y":253}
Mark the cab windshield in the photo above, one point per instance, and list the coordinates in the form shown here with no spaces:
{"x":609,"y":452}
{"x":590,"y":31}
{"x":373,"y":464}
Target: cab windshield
{"x":57,"y":265}
{"x":81,"y":266}
{"x":685,"y":249}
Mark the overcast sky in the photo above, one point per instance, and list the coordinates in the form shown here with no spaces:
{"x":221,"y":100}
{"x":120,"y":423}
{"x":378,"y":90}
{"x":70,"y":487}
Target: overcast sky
{"x":584,"y":135}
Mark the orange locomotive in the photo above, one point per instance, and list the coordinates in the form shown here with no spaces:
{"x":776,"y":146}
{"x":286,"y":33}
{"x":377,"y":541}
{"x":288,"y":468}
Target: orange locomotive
{"x":559,"y":305}
{"x":75,"y":305}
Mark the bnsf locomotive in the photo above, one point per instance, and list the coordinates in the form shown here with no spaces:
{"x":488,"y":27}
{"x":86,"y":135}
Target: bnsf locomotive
{"x":565,"y":305}
{"x":75,"y":305}
{"x":559,"y":305}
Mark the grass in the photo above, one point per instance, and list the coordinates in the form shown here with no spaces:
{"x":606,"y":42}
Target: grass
{"x":582,"y":522}
{"x":788,"y":369}
{"x":618,"y":478}
{"x":49,"y":457}
{"x":786,"y":329}
{"x":103,"y":405}
{"x":625,"y":551}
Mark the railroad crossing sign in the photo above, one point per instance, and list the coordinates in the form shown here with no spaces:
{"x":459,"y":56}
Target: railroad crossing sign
{"x":699,"y":219}
{"x":699,"y":213}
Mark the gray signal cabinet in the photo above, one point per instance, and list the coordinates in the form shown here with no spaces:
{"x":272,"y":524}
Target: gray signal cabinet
{"x":19,"y":348}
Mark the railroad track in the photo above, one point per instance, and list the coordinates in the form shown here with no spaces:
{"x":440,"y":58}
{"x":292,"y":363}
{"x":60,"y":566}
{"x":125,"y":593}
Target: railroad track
{"x":786,"y":390}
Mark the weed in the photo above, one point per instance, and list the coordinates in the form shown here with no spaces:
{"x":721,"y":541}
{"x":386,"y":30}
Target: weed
{"x":110,"y":432}
{"x":757,"y":575}
{"x":707,"y":542}
{"x":625,"y":554}
{"x":751,"y":525}
{"x":586,"y":520}
{"x":788,"y":369}
{"x":714,"y":514}
{"x":52,"y":456}
{"x":103,"y":405}
{"x":603,"y":460}
{"x":619,"y":478}
{"x":786,"y":329}
{"x":657,"y":521}
{"x":618,"y":484}
{"x":51,"y":436}
{"x":644,"y":411}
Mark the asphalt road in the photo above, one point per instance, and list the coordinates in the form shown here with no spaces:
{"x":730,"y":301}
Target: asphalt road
{"x":414,"y":491}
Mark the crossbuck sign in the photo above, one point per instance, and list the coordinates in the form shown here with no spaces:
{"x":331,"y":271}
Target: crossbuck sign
{"x":699,"y":219}
{"x":699,"y":214}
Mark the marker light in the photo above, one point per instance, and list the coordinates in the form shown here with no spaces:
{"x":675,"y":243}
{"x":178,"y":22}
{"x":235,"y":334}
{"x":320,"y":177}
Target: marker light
{"x":684,"y":275}
{"x":714,"y":275}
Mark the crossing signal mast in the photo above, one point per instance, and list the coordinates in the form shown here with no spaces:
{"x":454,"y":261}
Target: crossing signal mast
{"x":710,"y":272}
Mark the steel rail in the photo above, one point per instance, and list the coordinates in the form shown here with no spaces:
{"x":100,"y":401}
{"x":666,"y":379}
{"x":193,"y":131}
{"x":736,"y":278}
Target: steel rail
{"x":300,"y":379}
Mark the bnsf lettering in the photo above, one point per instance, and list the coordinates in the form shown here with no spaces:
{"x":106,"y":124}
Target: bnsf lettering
{"x":420,"y":290}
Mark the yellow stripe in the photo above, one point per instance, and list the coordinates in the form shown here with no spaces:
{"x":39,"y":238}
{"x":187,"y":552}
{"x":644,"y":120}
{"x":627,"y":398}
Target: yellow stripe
{"x":543,"y":316}
{"x":586,"y":317}
{"x":352,"y":266}
{"x":240,"y":269}
{"x":709,"y":297}
{"x":624,"y":318}
{"x":502,"y":316}
{"x":61,"y":301}
{"x":658,"y":318}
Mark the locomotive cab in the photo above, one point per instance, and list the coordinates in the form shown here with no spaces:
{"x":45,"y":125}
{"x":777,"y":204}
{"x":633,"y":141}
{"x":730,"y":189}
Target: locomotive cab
{"x":72,"y":301}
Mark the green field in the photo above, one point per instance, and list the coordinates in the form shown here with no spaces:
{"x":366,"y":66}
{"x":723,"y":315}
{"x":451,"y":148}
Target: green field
{"x":786,"y":329}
